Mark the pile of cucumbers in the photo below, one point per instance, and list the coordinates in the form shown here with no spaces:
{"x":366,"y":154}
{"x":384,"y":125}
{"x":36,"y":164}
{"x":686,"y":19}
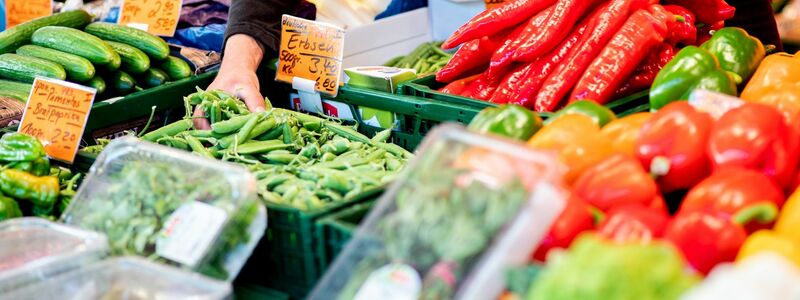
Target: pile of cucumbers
{"x":114,"y":59}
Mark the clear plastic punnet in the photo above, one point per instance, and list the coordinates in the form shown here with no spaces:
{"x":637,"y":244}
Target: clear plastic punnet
{"x":467,"y":209}
{"x":129,"y":278}
{"x":171,"y":206}
{"x":32,"y":249}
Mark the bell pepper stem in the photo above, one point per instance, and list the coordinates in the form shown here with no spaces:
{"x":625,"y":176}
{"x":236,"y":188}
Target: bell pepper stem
{"x":659,"y":166}
{"x":680,"y":19}
{"x":736,"y":78}
{"x":762,"y":213}
{"x":597,"y":215}
{"x":769,"y":49}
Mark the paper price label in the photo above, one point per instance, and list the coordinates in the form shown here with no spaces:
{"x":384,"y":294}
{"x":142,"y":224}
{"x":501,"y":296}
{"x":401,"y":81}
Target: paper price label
{"x":159,"y":17}
{"x":313,"y":51}
{"x":493,"y":3}
{"x":56,"y":114}
{"x":21,"y":11}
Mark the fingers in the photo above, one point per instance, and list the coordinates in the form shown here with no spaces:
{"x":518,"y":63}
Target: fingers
{"x":252,"y":97}
{"x":200,"y":121}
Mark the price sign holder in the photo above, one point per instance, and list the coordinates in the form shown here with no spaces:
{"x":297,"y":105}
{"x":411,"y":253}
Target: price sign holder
{"x":310,"y":59}
{"x":159,"y":17}
{"x":56,"y":114}
{"x":493,"y":3}
{"x":21,"y":11}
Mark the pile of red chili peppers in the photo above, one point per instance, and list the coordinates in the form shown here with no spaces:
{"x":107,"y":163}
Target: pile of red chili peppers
{"x":543,"y":54}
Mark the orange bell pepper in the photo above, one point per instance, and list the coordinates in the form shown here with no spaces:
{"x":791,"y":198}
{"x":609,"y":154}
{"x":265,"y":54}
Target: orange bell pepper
{"x":577,"y":140}
{"x":623,"y":132}
{"x":776,"y":82}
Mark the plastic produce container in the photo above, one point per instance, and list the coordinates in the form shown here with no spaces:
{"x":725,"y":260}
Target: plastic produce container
{"x":466,"y":210}
{"x":129,"y":278}
{"x":33,"y":248}
{"x":168,"y":205}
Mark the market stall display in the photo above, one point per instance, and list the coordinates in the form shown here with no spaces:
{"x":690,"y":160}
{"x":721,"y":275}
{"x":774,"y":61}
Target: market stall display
{"x":428,"y":58}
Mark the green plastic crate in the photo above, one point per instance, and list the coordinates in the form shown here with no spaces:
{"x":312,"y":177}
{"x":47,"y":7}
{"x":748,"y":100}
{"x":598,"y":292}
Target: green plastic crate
{"x":335,"y":231}
{"x":256,"y":292}
{"x":427,"y":87}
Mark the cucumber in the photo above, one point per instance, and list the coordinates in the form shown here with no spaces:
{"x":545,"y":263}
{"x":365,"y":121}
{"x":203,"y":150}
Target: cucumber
{"x":134,"y":61}
{"x":19,"y":96}
{"x":150,"y":44}
{"x":113,"y":66}
{"x":19,"y":35}
{"x":74,"y":41}
{"x":98,"y":84}
{"x":6,"y":85}
{"x":25,"y":68}
{"x":153,"y":78}
{"x":176,"y":68}
{"x":120,"y":83}
{"x":78,"y":68}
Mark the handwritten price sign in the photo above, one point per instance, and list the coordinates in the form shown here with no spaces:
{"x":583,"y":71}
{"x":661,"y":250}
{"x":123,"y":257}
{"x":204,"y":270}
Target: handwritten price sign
{"x":493,"y":3}
{"x":56,"y":114}
{"x":21,"y":11}
{"x":313,"y":51}
{"x":159,"y":17}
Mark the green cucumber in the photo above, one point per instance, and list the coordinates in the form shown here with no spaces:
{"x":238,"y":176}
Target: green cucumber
{"x":176,"y":68}
{"x":120,"y":83}
{"x":134,"y":61}
{"x":19,"y":35}
{"x":113,"y":66}
{"x":78,"y":68}
{"x":74,"y":41}
{"x":6,"y":85}
{"x":25,"y":69}
{"x":154,"y":46}
{"x":22,"y":97}
{"x":153,"y":78}
{"x":98,"y":84}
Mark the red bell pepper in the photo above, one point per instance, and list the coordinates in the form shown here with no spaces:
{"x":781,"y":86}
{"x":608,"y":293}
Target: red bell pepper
{"x":708,"y":238}
{"x":560,"y":82}
{"x":755,"y":136}
{"x":671,"y":146}
{"x":494,"y":20}
{"x":644,"y":75}
{"x":577,"y":217}
{"x":706,"y":31}
{"x":471,"y":58}
{"x":562,"y":20}
{"x":707,"y":11}
{"x":458,"y":86}
{"x":616,"y":181}
{"x":681,"y":29}
{"x":633,"y":223}
{"x":501,"y":60}
{"x":643,"y":31}
{"x":730,"y":190}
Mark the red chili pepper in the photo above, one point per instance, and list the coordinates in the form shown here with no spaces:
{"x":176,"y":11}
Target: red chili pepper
{"x":471,"y":58}
{"x":671,"y":145}
{"x":458,"y":86}
{"x":681,"y":28}
{"x":565,"y":15}
{"x":755,"y":136}
{"x":563,"y":78}
{"x":707,"y":11}
{"x":644,"y":75}
{"x":481,"y":89}
{"x":633,"y":223}
{"x":615,"y":181}
{"x":622,"y":55}
{"x":501,"y":61}
{"x":494,"y":20}
{"x":508,"y":90}
{"x":706,"y":31}
{"x":731,"y":189}
{"x":708,"y":238}
{"x":577,"y":217}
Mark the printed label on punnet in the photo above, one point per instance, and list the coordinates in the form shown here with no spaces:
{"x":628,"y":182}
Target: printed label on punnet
{"x":189,"y":231}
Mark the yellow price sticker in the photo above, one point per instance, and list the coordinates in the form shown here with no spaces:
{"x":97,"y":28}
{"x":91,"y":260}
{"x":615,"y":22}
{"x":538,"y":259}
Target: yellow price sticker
{"x":311,"y":50}
{"x":21,"y":11}
{"x":493,"y":3}
{"x":159,"y":17}
{"x":56,"y":114}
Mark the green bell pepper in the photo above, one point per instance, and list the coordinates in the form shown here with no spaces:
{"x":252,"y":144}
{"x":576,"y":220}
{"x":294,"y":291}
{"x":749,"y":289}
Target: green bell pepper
{"x":692,"y":68}
{"x":599,"y":113}
{"x":9,"y":208}
{"x":736,"y":51}
{"x":41,"y":191}
{"x":20,"y":147}
{"x":511,"y":121}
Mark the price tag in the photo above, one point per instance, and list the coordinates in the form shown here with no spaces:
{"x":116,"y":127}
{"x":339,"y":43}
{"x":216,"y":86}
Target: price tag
{"x":56,"y":114}
{"x":312,"y":51}
{"x":21,"y":11}
{"x":159,"y":17}
{"x":493,"y":3}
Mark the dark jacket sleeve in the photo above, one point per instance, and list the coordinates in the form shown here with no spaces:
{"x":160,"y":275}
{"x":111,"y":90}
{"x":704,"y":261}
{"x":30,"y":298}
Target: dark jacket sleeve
{"x":757,"y":18}
{"x":260,"y":19}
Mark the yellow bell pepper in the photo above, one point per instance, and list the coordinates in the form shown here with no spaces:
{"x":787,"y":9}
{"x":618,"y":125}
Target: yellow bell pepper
{"x":776,"y":82}
{"x":622,"y":133}
{"x":576,"y":139}
{"x":784,"y":239}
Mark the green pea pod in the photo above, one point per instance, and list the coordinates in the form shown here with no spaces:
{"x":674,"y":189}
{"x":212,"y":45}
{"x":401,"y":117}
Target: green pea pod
{"x":20,"y":147}
{"x":9,"y":208}
{"x":599,"y":113}
{"x":41,"y":191}
{"x":511,"y":121}
{"x":690,"y":69}
{"x":736,"y":51}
